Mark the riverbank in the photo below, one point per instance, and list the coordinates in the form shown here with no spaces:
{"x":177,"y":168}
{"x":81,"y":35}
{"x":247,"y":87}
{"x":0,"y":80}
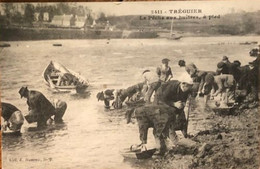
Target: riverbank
{"x":16,"y":34}
{"x":38,"y":33}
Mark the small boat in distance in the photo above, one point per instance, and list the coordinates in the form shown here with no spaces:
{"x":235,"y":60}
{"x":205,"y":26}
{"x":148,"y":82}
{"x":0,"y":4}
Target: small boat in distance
{"x":174,"y":36}
{"x":61,"y":79}
{"x":4,"y":45}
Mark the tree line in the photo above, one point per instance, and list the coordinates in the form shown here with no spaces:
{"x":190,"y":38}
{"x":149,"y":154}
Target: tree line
{"x":25,"y":13}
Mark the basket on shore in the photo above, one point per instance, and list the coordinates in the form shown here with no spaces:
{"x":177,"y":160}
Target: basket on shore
{"x":138,"y":154}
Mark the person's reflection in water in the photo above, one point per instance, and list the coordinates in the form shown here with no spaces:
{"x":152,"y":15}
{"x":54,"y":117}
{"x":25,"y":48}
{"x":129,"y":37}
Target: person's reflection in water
{"x":84,"y":95}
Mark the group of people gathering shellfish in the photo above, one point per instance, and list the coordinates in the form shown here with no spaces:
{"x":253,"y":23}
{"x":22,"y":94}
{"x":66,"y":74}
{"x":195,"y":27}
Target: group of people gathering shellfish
{"x":231,"y":84}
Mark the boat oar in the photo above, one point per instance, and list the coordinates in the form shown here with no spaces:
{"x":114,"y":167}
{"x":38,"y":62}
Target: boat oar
{"x":50,"y":82}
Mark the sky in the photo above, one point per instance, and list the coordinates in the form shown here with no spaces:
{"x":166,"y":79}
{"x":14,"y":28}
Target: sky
{"x":145,"y":8}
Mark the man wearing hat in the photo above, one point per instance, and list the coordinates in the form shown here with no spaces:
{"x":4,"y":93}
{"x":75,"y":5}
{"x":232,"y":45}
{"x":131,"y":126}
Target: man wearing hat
{"x":197,"y":76}
{"x":119,"y":96}
{"x":175,"y":94}
{"x":131,"y":91}
{"x":164,"y":71}
{"x":38,"y":105}
{"x":226,"y":67}
{"x":250,"y":80}
{"x":229,"y":65}
{"x":255,"y":52}
{"x":225,"y":60}
{"x":13,"y":118}
{"x":110,"y":95}
{"x":222,"y":68}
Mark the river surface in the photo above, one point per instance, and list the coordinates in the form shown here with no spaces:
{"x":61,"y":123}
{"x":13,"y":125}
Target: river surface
{"x":90,"y":136}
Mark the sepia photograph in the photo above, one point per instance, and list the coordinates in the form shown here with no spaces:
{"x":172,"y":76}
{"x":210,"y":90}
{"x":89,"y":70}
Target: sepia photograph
{"x":130,"y":85}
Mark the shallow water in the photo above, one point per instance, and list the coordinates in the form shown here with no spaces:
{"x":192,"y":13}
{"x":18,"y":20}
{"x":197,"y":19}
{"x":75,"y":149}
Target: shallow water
{"x":92,"y":137}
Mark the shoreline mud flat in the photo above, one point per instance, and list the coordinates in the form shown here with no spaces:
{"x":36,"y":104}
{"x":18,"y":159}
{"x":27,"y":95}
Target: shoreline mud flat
{"x":225,"y":142}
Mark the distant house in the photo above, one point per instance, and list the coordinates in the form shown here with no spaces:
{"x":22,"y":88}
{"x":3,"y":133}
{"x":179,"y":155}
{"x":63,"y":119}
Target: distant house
{"x":2,"y":12}
{"x":65,"y":20}
{"x":18,"y":7}
{"x":45,"y":16}
{"x":36,"y":16}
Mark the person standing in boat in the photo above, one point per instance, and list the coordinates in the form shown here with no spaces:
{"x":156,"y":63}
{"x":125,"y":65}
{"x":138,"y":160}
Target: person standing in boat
{"x":13,"y":118}
{"x":39,"y":106}
{"x":164,"y":71}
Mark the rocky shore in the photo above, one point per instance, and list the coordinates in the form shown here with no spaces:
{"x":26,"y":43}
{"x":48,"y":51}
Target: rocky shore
{"x":216,"y":142}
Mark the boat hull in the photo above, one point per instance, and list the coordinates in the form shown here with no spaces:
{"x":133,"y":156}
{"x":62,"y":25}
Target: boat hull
{"x":175,"y":38}
{"x":50,"y":82}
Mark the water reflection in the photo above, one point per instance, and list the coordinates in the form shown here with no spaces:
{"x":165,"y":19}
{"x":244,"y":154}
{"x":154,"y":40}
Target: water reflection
{"x":84,"y":95}
{"x":33,"y":135}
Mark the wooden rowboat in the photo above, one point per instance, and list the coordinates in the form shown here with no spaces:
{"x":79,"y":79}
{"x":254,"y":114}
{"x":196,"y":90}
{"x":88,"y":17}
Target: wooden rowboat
{"x":61,"y":79}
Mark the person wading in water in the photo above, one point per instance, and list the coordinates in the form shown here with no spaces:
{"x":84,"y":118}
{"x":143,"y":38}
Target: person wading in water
{"x":38,"y":105}
{"x":164,"y":71}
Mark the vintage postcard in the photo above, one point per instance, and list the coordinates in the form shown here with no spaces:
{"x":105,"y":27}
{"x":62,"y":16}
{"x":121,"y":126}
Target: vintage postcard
{"x":132,"y":85}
